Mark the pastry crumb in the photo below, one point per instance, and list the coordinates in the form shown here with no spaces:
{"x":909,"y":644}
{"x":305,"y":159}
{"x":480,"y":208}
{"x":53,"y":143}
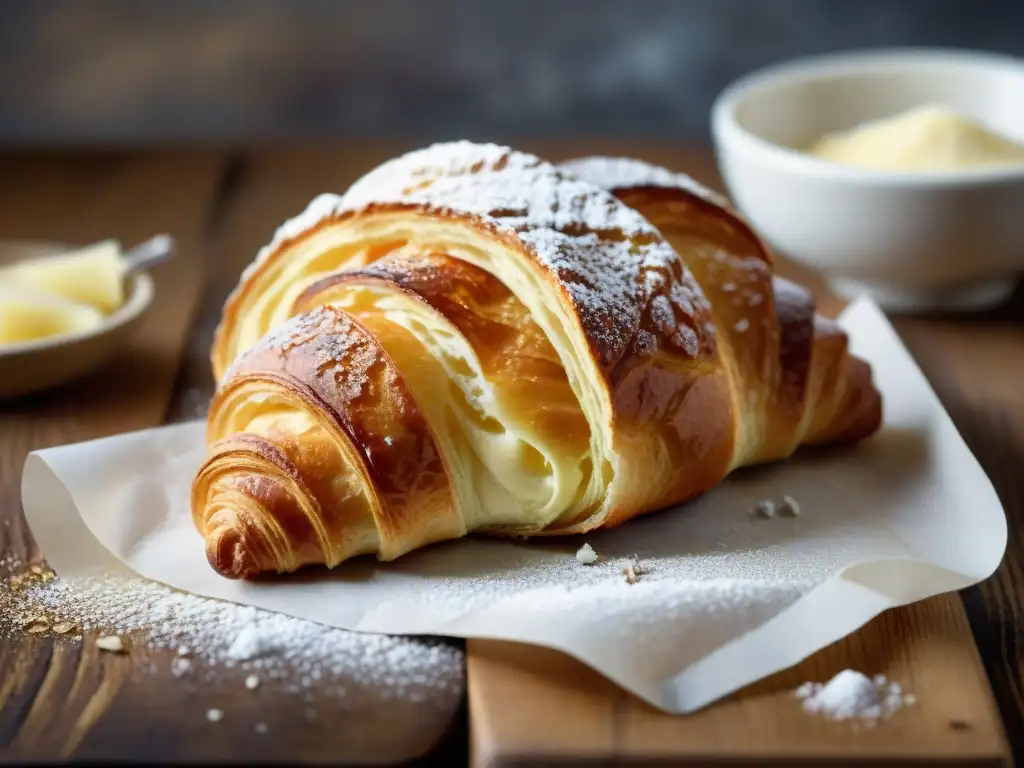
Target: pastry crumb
{"x":63,"y":628}
{"x":252,"y":682}
{"x":261,"y":728}
{"x":764,"y":509}
{"x":631,"y":575}
{"x":111,"y":643}
{"x":789,"y":507}
{"x":586,"y":555}
{"x":214,"y":715}
{"x":180,"y":666}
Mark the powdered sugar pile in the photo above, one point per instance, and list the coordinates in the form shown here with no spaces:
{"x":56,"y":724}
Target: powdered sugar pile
{"x":852,"y":695}
{"x":299,"y":654}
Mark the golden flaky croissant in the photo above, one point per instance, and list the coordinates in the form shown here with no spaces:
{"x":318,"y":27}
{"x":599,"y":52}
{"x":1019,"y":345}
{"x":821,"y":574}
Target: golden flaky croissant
{"x":474,"y":340}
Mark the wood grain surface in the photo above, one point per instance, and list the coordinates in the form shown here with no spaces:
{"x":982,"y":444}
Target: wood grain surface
{"x":61,"y":700}
{"x":58,"y":698}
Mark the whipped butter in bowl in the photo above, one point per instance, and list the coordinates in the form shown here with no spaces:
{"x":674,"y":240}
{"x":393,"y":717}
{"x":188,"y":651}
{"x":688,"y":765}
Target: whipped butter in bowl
{"x":64,"y":312}
{"x":897,"y":174}
{"x":932,"y":137}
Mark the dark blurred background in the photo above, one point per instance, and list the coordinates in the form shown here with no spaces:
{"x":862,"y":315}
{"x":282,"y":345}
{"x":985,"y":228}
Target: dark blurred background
{"x":75,"y":71}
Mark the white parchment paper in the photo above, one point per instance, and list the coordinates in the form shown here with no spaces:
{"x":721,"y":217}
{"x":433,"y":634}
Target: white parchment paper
{"x":725,"y":597}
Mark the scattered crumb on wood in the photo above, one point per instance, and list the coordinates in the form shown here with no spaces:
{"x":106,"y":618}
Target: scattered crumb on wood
{"x":631,"y":575}
{"x":789,"y":507}
{"x":111,"y":643}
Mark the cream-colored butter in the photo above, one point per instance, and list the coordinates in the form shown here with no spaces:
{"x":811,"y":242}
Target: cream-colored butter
{"x":28,"y":315}
{"x":929,"y":138}
{"x":93,"y":276}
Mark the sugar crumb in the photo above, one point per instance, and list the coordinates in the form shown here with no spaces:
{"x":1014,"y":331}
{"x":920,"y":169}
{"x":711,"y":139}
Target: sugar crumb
{"x":586,"y":555}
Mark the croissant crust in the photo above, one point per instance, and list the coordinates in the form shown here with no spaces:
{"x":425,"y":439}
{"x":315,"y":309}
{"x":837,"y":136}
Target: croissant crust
{"x":474,"y":340}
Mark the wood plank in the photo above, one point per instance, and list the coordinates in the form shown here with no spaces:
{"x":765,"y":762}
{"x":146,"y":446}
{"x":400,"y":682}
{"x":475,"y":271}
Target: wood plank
{"x":519,"y":694}
{"x":60,"y":699}
{"x":976,"y":365}
{"x":955,"y":720}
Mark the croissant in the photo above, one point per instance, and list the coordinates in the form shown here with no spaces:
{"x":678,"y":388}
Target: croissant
{"x":472,"y":340}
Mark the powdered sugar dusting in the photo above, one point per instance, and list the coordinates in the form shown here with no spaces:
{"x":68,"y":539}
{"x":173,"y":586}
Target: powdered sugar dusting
{"x":297,"y":654}
{"x":611,"y":261}
{"x":392,"y":180}
{"x":693,"y":602}
{"x":619,"y":173}
{"x":415,"y":170}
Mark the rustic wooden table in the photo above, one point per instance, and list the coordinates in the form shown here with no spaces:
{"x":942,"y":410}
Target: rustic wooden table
{"x":221,"y":205}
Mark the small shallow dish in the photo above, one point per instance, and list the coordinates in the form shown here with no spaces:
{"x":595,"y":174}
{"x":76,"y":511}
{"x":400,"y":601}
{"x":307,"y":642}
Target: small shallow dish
{"x":43,"y":363}
{"x":912,"y":240}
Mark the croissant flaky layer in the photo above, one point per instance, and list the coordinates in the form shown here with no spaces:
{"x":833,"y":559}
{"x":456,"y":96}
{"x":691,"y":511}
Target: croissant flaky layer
{"x":474,"y":340}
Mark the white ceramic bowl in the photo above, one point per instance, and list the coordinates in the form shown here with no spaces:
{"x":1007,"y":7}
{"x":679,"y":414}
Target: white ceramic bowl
{"x":43,"y":363}
{"x":912,"y":240}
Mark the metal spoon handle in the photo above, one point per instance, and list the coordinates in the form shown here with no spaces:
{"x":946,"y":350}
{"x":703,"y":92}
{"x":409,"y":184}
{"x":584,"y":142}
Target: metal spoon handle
{"x":148,"y":253}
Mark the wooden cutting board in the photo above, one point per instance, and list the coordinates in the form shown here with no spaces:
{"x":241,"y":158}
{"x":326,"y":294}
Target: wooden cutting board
{"x":531,"y":706}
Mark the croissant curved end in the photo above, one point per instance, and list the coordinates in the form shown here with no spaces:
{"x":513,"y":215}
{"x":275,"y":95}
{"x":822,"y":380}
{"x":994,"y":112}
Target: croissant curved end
{"x":860,"y":414}
{"x":231,"y":551}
